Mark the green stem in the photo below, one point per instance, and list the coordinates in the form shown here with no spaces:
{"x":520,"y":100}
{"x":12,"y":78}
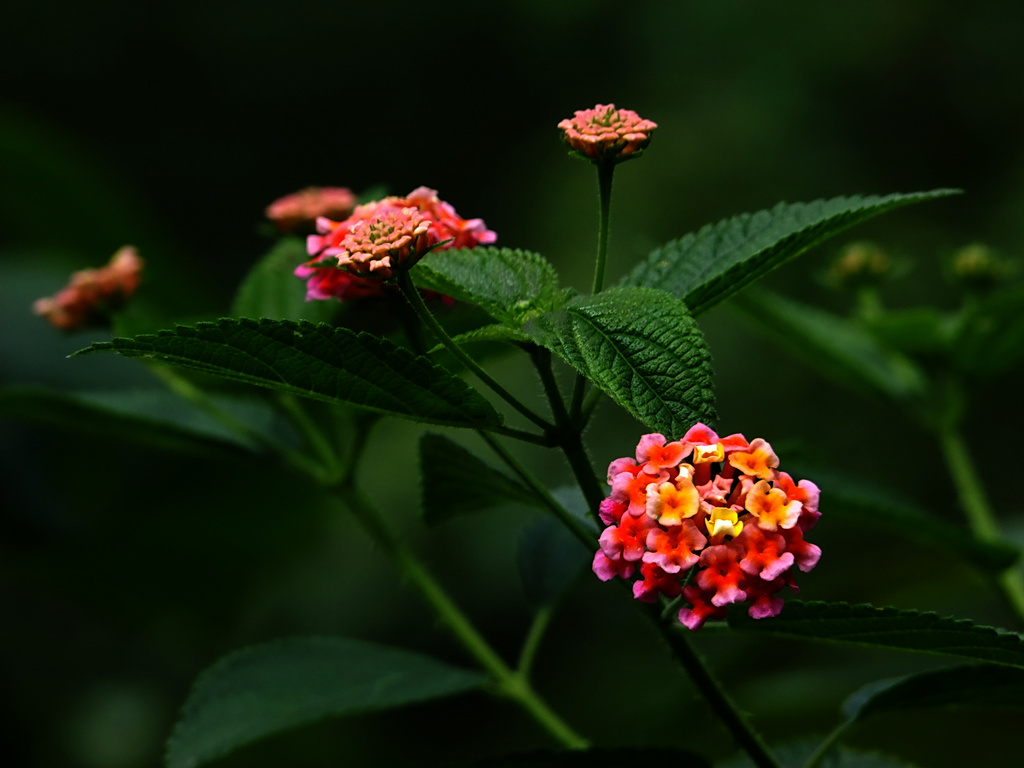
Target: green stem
{"x":509,"y":683}
{"x":714,"y":694}
{"x":314,"y":436}
{"x":977,"y":510}
{"x":572,"y":446}
{"x":416,"y":302}
{"x":586,"y":537}
{"x":605,"y":171}
{"x":533,"y":638}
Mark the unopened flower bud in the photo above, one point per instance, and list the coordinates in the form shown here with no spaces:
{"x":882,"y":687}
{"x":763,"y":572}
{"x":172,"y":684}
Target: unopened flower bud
{"x":607,"y":134}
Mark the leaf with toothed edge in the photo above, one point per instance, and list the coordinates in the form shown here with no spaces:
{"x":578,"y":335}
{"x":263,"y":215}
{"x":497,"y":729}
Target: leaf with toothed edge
{"x":316,"y":361}
{"x":707,"y":266}
{"x":642,"y":348}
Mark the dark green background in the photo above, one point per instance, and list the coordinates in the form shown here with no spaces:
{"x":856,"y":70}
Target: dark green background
{"x":124,"y":571}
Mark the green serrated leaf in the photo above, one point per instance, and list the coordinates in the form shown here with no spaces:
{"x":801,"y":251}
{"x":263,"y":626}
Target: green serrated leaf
{"x":596,"y":758}
{"x":316,"y":361}
{"x":836,"y":346}
{"x":642,"y":348}
{"x":977,"y":686}
{"x":859,"y":502}
{"x":510,"y":285}
{"x":456,"y":482}
{"x":488,"y":333}
{"x":889,"y":628}
{"x":705,"y":267}
{"x":155,"y":417}
{"x":272,"y":290}
{"x":262,"y":690}
{"x":550,"y":558}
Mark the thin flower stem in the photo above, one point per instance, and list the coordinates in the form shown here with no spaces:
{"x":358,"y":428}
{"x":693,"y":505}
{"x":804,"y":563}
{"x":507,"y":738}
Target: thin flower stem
{"x":826,"y":746}
{"x":714,"y":694}
{"x":509,"y":683}
{"x":533,"y":638}
{"x":586,"y":537}
{"x":314,"y":436}
{"x":977,"y":510}
{"x":572,"y":446}
{"x":416,"y":302}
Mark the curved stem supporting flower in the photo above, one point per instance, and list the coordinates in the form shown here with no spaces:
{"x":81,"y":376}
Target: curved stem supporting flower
{"x":713,"y":693}
{"x":976,"y":507}
{"x":412,"y":295}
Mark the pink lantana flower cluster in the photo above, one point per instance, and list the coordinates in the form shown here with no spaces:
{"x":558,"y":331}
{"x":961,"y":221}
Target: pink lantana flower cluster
{"x":710,"y":519}
{"x":92,"y":294}
{"x":351,"y":256}
{"x":606,"y":133}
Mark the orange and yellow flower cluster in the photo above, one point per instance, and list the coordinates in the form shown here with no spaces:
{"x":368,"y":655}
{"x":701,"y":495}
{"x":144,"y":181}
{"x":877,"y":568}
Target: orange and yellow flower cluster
{"x":350,"y":257}
{"x":710,"y":519}
{"x":605,"y":133}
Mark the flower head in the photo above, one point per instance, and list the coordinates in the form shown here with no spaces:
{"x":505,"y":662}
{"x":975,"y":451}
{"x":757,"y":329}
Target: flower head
{"x":92,"y":294}
{"x":352,"y":255}
{"x":733,"y":535}
{"x":301,"y":209}
{"x":605,"y":133}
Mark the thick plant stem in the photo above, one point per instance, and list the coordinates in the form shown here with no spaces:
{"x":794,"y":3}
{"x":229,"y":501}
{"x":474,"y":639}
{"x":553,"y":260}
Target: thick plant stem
{"x":412,"y":295}
{"x":977,"y":510}
{"x":509,"y":683}
{"x":605,"y":172}
{"x":714,"y":695}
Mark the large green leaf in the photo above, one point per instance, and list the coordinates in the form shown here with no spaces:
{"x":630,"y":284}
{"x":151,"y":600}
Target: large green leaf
{"x":319,"y":362}
{"x":705,"y":267}
{"x":510,"y":285}
{"x":271,"y":288}
{"x":642,"y":348}
{"x":457,"y":482}
{"x":834,"y":345}
{"x":265,"y":689}
{"x":857,"y":501}
{"x":889,"y":628}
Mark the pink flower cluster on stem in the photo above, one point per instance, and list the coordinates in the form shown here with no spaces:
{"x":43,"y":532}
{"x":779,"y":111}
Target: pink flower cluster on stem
{"x":92,"y":294}
{"x":351,"y":256}
{"x":607,"y":133}
{"x":712,"y":519}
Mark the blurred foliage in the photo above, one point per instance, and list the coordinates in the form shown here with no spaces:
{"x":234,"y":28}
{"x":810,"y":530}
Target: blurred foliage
{"x":124,"y":570}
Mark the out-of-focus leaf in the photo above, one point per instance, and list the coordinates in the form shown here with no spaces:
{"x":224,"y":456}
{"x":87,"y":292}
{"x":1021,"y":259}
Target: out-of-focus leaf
{"x":156,"y":417}
{"x":550,"y":558}
{"x":319,"y":362}
{"x":456,"y":482}
{"x":991,"y":337}
{"x":595,"y":758}
{"x":272,"y":290}
{"x":888,"y":628}
{"x":705,"y":267}
{"x":262,"y":690}
{"x":642,"y":348}
{"x":922,"y":330}
{"x":857,"y":501}
{"x":834,"y":345}
{"x":975,"y":686}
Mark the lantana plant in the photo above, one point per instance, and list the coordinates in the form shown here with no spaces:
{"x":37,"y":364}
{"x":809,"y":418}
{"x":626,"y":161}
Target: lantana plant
{"x":706,"y":529}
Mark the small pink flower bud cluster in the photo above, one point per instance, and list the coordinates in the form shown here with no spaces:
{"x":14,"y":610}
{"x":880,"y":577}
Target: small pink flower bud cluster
{"x":92,"y":294}
{"x":725,"y":526}
{"x":377,"y":238}
{"x":301,"y":209}
{"x":606,"y":133}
